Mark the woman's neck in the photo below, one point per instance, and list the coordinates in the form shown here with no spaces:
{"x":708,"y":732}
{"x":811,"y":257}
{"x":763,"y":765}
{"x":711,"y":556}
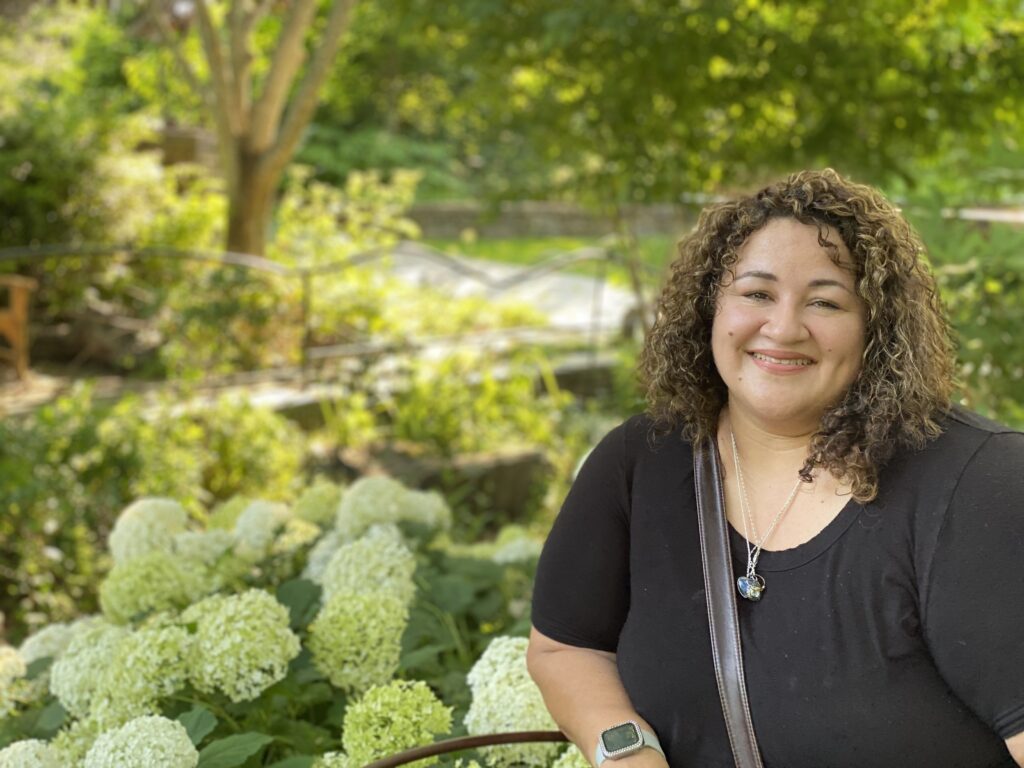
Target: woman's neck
{"x":762,"y":447}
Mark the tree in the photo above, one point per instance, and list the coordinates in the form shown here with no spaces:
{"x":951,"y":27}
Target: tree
{"x":260,"y":113}
{"x":620,"y":101}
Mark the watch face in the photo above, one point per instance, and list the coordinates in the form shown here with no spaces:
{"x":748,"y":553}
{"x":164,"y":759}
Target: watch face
{"x":621,"y":738}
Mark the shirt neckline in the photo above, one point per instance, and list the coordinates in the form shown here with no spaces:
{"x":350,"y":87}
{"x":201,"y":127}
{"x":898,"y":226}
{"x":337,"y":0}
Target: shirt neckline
{"x":787,"y":559}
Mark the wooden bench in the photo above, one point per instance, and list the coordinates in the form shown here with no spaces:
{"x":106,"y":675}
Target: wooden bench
{"x":14,"y":320}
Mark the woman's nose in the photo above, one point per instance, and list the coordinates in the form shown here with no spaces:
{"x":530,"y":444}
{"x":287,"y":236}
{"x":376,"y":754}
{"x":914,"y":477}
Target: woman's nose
{"x":785,"y":323}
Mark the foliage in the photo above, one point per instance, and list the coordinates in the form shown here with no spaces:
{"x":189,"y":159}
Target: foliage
{"x":268,"y":668}
{"x":614,"y":102}
{"x":72,"y":465}
{"x":980,"y":271}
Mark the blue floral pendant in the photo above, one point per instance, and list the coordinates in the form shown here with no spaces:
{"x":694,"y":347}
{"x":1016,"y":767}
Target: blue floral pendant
{"x":750,"y":587}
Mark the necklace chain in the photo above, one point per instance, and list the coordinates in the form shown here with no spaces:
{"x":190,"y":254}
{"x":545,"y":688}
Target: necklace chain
{"x":754,"y":547}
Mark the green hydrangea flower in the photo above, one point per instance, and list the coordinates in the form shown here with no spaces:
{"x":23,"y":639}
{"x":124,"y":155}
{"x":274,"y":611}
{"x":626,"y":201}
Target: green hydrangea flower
{"x":241,"y":644}
{"x":505,"y":698}
{"x":391,"y":718}
{"x":12,"y":673}
{"x":319,"y":503}
{"x":151,"y":665}
{"x":295,"y":535}
{"x":572,"y":758}
{"x":356,"y":640}
{"x":30,"y":753}
{"x":225,"y":515}
{"x":156,"y":581}
{"x":147,"y":525}
{"x":74,"y":741}
{"x":379,"y":499}
{"x":379,"y":561}
{"x":144,"y":742}
{"x":256,"y":528}
{"x":75,"y":675}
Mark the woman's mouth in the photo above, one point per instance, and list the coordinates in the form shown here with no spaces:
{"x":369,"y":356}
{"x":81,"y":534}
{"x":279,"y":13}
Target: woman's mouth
{"x":795,"y":362}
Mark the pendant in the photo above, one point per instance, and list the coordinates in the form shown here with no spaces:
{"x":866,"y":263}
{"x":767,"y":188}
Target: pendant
{"x":750,"y":587}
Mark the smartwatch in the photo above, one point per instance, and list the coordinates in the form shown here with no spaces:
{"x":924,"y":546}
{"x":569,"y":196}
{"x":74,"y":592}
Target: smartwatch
{"x":624,"y":739}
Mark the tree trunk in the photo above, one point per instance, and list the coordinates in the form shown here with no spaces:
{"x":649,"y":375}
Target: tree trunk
{"x":249,"y":207}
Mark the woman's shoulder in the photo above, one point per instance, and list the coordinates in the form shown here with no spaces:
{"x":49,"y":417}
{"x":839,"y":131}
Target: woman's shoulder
{"x":643,"y":435}
{"x":964,"y":421}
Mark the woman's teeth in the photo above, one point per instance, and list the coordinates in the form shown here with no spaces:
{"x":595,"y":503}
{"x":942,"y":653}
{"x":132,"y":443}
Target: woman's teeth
{"x":782,"y":361}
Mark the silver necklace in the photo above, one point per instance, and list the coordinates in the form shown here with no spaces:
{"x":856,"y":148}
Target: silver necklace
{"x":751,"y":586}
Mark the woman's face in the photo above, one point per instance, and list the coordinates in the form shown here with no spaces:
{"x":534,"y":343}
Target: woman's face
{"x":788,"y":333}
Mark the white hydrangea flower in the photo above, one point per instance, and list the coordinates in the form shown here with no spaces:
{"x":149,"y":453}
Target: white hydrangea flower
{"x":153,"y":582}
{"x":144,"y":742}
{"x":379,"y":561}
{"x":151,"y":665}
{"x":30,"y":753}
{"x":320,"y":555}
{"x":521,"y":550}
{"x":380,"y":499}
{"x":242,"y":644}
{"x":147,"y":525}
{"x":206,"y":547}
{"x":256,"y":528}
{"x":319,"y":502}
{"x":48,"y":643}
{"x":505,"y":698}
{"x":12,"y":672}
{"x":75,"y":675}
{"x":356,"y":640}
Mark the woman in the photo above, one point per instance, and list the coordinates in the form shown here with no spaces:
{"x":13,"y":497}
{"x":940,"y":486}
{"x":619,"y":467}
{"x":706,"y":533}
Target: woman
{"x":879,"y":530}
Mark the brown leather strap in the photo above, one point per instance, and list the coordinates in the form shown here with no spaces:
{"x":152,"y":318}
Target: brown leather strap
{"x":721,"y":596}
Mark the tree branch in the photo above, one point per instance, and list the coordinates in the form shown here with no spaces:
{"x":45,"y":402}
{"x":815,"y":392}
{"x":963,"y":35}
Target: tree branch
{"x":300,"y":112}
{"x":240,"y":25}
{"x":288,"y":58}
{"x":219,"y":73}
{"x":173,"y":42}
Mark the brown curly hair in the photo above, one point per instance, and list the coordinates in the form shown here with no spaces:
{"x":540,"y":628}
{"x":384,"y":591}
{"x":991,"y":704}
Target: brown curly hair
{"x":907,"y":374}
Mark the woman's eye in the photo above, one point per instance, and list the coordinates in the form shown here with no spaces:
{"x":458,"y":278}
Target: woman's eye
{"x":756,"y":295}
{"x":824,"y":304}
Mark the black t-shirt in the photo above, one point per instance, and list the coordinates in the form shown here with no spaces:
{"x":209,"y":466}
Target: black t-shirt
{"x":895,"y":637}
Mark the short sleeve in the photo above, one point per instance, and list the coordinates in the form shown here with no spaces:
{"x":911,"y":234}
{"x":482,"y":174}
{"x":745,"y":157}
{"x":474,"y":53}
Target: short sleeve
{"x":974,"y":618}
{"x":581,"y":593}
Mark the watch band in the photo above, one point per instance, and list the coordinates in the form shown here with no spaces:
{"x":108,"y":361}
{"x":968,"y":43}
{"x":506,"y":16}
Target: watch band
{"x":648,"y":740}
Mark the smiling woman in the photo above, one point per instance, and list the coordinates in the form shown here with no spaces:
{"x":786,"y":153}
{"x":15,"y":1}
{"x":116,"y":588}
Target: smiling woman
{"x":878,"y":526}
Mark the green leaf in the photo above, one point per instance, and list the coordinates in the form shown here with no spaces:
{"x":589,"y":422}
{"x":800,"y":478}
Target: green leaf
{"x":50,"y":719}
{"x":38,"y":667}
{"x":297,"y":761}
{"x":426,"y":654}
{"x":302,"y":598}
{"x":198,"y":722}
{"x":232,"y":751}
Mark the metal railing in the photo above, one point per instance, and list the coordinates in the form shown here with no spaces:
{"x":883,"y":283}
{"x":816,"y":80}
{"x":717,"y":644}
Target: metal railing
{"x":306,"y":277}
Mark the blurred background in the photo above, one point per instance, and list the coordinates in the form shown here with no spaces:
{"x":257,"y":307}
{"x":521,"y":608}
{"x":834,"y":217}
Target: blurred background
{"x":254,"y":248}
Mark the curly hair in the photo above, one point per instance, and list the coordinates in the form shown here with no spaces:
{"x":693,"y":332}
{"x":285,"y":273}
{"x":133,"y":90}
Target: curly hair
{"x":907,"y":372}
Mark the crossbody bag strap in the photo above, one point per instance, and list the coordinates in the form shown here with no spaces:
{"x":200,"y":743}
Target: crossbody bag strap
{"x":722,"y":617}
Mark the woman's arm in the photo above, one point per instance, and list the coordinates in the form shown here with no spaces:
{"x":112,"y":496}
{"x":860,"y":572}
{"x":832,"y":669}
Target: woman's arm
{"x":1016,"y":746}
{"x":583,"y":692}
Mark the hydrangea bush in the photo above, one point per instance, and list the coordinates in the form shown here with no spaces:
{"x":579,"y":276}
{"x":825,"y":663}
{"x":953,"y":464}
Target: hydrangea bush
{"x":330,"y":632}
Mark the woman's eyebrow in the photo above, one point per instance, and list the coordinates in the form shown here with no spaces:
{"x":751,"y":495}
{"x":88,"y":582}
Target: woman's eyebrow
{"x":819,"y":283}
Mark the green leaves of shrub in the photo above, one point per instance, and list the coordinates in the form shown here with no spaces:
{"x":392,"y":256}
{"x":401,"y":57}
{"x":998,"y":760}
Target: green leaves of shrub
{"x":232,"y":751}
